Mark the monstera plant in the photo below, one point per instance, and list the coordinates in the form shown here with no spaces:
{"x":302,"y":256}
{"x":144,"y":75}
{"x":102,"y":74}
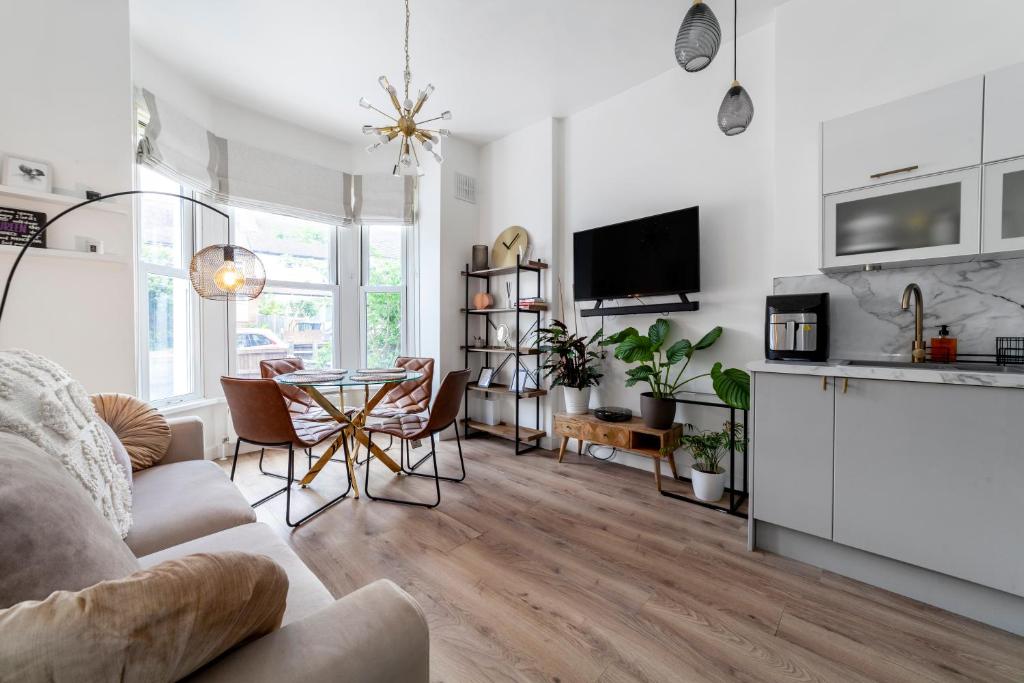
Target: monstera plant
{"x":662,"y":366}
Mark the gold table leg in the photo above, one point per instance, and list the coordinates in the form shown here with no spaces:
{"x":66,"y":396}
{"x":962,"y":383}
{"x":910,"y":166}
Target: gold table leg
{"x":353,"y":425}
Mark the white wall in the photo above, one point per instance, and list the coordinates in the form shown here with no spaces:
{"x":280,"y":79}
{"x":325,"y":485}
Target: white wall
{"x":68,"y":93}
{"x":516,"y":186}
{"x":834,"y":58}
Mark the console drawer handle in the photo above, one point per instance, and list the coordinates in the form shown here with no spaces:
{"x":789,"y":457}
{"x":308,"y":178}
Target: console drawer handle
{"x":905,"y":169}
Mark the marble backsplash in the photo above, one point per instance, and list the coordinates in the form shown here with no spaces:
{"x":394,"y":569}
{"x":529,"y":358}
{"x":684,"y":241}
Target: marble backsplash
{"x":979,"y":300}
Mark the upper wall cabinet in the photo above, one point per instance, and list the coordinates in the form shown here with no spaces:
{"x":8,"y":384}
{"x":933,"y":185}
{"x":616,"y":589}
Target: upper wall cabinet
{"x":935,"y":131}
{"x":1004,"y":113}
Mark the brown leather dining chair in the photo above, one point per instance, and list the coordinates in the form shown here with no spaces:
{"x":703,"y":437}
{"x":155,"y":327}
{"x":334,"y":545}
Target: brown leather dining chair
{"x":300,"y":403}
{"x":406,"y":428}
{"x":406,"y":398}
{"x":261,"y":417}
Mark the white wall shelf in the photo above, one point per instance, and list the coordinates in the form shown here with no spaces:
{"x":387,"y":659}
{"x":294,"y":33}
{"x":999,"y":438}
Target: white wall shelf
{"x":36,"y":252}
{"x":60,"y":199}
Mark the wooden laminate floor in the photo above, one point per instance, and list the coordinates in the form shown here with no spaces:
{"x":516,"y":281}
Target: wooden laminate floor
{"x":535,"y":571}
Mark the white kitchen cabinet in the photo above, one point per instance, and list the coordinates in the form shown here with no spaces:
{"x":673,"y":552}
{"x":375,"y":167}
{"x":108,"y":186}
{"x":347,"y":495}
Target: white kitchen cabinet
{"x":792,"y":457}
{"x":1004,"y":113}
{"x":932,"y":132}
{"x":1003,"y":230}
{"x":931,"y":475}
{"x":937,"y":217}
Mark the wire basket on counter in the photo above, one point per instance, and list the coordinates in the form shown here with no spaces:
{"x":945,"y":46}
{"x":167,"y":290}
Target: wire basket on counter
{"x":1010,"y":350}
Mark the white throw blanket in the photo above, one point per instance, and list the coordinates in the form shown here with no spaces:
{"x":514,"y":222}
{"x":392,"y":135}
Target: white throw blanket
{"x":42,"y":403}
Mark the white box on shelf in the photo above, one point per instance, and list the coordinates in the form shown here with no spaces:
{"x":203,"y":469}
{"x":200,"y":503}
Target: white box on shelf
{"x":490,"y":411}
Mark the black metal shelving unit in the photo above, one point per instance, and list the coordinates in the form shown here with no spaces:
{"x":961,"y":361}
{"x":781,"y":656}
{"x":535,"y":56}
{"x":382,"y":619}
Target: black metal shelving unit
{"x":525,"y":439}
{"x":737,"y":497}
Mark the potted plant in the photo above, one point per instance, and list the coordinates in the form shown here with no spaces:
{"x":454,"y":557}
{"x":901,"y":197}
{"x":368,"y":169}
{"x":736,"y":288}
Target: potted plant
{"x":572,"y":363}
{"x":708,"y":448}
{"x":658,"y":368}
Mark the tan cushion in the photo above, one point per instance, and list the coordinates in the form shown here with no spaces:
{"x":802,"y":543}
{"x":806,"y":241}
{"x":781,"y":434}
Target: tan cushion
{"x":158,"y":624}
{"x":179,"y":502}
{"x":306,"y":594}
{"x":52,"y":535}
{"x":143,"y":431}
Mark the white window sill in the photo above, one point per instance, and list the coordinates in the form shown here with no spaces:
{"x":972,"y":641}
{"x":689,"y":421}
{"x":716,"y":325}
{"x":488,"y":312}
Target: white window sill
{"x":189,"y":406}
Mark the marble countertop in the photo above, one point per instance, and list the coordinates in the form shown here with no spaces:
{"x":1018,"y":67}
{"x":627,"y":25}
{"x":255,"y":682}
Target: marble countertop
{"x":982,"y":377}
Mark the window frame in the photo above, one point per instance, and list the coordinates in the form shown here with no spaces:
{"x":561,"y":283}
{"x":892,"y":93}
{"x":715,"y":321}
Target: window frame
{"x":143,"y":270}
{"x":365,"y":288}
{"x":294,"y":287}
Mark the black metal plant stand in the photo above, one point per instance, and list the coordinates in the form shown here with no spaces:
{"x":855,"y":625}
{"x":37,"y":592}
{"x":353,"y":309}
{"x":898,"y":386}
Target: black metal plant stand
{"x":737,"y":497}
{"x":525,"y":439}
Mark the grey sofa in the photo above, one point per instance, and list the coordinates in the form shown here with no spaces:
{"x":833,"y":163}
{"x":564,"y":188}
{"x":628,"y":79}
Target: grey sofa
{"x":185,"y":504}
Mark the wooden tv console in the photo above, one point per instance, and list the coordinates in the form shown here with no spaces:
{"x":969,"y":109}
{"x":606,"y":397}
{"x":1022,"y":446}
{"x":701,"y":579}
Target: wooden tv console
{"x":630,"y":436}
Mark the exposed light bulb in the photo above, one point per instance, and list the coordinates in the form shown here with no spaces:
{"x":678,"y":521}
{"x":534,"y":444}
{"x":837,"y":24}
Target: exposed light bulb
{"x":407,"y":104}
{"x":437,"y":157}
{"x":393,"y":91}
{"x":367,"y":130}
{"x":430,"y":136}
{"x":444,"y":132}
{"x":428,"y":145}
{"x":383,"y":80}
{"x":446,"y":115}
{"x":365,"y":103}
{"x":427,"y":92}
{"x":405,"y":160}
{"x":374,"y":147}
{"x":228,"y":278}
{"x":384,"y":139}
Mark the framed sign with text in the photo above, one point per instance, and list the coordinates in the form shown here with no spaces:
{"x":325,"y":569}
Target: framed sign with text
{"x":17,"y":224}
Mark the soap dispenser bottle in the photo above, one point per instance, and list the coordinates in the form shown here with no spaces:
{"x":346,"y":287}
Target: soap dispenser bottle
{"x":943,"y":346}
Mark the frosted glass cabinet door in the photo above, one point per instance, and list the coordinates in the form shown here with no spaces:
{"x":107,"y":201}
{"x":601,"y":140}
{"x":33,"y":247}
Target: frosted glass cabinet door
{"x":1004,"y":208}
{"x":938,"y":217}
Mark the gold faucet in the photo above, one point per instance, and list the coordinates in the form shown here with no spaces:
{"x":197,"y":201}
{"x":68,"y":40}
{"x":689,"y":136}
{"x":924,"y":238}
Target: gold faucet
{"x":918,"y":354}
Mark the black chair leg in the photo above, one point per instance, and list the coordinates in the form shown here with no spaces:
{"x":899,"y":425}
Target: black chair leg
{"x":314,"y":513}
{"x":234,"y":463}
{"x":264,"y":472}
{"x":433,"y":452}
{"x":437,"y":482}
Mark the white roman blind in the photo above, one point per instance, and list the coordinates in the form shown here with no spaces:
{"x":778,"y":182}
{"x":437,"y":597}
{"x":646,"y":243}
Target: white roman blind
{"x":381,"y":199}
{"x":236,"y":173}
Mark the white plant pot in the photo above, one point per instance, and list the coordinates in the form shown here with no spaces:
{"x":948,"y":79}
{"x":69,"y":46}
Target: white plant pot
{"x":490,"y":411}
{"x":577,"y":401}
{"x":708,"y":487}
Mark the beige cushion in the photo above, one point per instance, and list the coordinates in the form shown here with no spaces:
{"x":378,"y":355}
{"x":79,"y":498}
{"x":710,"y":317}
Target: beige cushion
{"x":306,"y":594}
{"x":182,"y":501}
{"x":52,"y":535}
{"x":377,"y":634}
{"x":143,"y":431}
{"x":158,"y":624}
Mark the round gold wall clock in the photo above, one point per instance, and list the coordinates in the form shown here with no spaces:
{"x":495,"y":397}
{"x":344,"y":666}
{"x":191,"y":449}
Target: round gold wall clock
{"x":507,"y":247}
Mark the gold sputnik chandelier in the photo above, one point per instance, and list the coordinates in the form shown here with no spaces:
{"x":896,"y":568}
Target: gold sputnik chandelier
{"x":404,"y":125}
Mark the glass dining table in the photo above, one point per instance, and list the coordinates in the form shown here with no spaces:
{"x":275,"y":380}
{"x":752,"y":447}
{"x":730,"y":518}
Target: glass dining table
{"x":316,"y":382}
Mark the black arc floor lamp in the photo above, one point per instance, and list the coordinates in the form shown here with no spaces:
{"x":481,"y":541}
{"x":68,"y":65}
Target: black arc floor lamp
{"x":220,"y":272}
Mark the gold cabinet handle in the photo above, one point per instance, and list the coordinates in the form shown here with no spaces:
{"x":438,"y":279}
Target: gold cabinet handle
{"x":824,"y":383}
{"x":846,"y":384}
{"x":905,"y":169}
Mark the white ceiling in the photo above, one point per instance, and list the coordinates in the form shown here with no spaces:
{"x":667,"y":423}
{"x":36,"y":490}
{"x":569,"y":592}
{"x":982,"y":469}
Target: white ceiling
{"x":498,"y":65}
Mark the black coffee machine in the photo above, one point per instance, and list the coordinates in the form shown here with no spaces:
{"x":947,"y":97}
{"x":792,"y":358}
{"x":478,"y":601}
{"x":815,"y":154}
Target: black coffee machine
{"x":796,"y":327}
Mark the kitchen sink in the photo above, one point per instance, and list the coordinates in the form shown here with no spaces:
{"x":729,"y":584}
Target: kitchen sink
{"x":955,"y":367}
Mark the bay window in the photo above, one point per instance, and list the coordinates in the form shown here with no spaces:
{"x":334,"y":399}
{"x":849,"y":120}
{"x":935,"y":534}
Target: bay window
{"x":383,"y":293}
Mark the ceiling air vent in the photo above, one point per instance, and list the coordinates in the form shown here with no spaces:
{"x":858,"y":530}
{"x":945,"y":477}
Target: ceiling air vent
{"x":465,"y":187}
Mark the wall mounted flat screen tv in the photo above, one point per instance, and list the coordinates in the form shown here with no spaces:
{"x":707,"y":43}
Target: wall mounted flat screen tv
{"x":643,"y":257}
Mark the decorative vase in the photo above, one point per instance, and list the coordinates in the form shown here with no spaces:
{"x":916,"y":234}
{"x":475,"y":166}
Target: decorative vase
{"x":657,"y":413}
{"x":482,"y":300}
{"x":490,"y":411}
{"x":577,"y":401}
{"x":479,"y":261}
{"x":708,"y":486}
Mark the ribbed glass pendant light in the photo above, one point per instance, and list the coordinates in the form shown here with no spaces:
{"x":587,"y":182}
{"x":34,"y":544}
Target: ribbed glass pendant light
{"x":737,"y":110}
{"x":698,"y":38}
